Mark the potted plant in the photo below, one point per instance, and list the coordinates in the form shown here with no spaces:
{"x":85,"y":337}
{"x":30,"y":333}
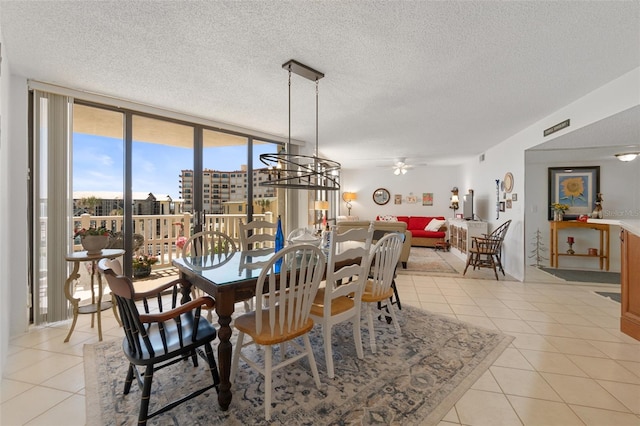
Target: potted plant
{"x":142,"y":265}
{"x":93,"y":240}
{"x":558,"y":211}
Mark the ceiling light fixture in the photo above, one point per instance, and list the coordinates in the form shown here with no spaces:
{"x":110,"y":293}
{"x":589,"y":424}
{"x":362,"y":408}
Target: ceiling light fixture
{"x":294,"y":171}
{"x":400,"y":167}
{"x":627,"y":156}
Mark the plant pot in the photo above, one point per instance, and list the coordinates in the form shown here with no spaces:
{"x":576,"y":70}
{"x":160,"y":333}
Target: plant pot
{"x":94,"y":244}
{"x":558,"y":216}
{"x":141,"y":271}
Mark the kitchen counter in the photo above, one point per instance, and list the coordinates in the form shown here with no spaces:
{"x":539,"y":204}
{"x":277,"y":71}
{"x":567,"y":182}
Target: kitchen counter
{"x":631,"y":225}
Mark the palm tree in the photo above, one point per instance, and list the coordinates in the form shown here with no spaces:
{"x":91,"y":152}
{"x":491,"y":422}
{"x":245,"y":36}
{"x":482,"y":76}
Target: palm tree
{"x":264,"y":204}
{"x":89,"y":203}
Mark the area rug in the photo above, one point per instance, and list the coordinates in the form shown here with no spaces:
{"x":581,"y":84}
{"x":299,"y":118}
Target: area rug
{"x":414,"y":379}
{"x":424,"y":260}
{"x":610,"y":295}
{"x":585,"y":276}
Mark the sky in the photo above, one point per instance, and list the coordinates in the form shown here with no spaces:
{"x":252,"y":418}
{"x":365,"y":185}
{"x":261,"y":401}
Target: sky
{"x":98,"y":164}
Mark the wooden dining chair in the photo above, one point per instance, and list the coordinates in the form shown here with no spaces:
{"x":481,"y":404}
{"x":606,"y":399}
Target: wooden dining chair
{"x":485,"y":251}
{"x":340,"y":299}
{"x":163,"y":334}
{"x":378,"y":290}
{"x":289,"y":281}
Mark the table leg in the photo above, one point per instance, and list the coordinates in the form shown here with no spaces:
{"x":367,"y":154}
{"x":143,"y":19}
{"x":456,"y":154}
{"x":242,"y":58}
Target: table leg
{"x":99,"y":305}
{"x":68,"y":292}
{"x":224,"y":309}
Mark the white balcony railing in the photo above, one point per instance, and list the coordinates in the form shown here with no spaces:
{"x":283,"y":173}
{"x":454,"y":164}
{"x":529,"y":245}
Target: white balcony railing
{"x":160,"y":232}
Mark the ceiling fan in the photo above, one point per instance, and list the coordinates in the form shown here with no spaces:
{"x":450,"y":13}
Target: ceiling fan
{"x":401,"y":167}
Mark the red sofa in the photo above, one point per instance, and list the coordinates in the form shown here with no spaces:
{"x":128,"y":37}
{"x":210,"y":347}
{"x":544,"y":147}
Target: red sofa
{"x":416,"y":225}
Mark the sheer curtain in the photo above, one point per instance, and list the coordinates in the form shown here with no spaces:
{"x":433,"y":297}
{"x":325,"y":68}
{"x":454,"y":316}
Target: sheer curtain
{"x":51,"y":201}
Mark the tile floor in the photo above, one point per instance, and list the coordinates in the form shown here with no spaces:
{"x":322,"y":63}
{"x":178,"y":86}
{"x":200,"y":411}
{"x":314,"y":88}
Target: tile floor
{"x":568,"y":364}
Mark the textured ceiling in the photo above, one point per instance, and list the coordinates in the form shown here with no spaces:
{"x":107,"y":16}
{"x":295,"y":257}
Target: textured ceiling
{"x":434,"y":82}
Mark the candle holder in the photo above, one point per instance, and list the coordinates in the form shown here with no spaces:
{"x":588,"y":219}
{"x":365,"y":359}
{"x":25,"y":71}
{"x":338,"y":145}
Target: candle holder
{"x":570,"y":242}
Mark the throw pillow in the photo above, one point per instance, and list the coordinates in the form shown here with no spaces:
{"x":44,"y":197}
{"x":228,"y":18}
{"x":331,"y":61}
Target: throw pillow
{"x":434,"y":225}
{"x":388,"y":218}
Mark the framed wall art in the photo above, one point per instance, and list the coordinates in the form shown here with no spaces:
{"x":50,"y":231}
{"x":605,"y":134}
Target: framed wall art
{"x":502,"y":206}
{"x":509,"y":205}
{"x":411,"y":199}
{"x":427,"y":198}
{"x":397,"y":199}
{"x":576,"y":187}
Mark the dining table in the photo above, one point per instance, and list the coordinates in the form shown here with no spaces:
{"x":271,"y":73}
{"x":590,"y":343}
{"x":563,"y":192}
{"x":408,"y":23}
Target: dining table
{"x":228,"y":278}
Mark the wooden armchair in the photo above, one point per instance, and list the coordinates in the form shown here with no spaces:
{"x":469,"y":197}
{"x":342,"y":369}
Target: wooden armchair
{"x":163,"y":334}
{"x":485,"y":252}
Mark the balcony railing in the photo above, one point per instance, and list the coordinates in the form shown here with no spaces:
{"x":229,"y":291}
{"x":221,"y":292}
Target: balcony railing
{"x":161,"y":232}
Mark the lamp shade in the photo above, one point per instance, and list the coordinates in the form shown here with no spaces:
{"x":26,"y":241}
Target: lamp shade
{"x":349,"y":196}
{"x":321,"y":205}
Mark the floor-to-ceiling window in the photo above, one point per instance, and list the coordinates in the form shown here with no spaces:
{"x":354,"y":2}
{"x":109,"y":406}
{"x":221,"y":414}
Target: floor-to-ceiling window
{"x":147,"y":175}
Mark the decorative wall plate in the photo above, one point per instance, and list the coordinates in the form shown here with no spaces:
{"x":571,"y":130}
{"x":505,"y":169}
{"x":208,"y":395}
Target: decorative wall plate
{"x":381,"y":196}
{"x":508,"y":182}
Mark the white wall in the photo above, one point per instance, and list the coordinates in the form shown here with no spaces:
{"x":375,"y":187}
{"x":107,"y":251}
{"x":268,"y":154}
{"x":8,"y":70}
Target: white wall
{"x":4,"y":207}
{"x":435,"y":179}
{"x":13,"y":207}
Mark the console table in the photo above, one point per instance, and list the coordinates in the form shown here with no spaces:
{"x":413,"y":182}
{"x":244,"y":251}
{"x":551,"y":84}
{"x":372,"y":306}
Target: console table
{"x":96,"y":306}
{"x":602,"y":228}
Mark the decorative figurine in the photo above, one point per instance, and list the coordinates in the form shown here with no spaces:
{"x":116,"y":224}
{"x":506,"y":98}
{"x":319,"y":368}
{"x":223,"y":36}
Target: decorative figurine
{"x":597,"y":211}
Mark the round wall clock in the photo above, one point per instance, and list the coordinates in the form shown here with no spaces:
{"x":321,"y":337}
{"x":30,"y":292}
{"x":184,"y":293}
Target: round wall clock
{"x":508,"y":182}
{"x":381,"y":196}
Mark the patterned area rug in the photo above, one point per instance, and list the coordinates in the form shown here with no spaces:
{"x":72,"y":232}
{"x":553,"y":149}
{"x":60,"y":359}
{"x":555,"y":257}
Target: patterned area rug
{"x":414,"y":379}
{"x":425,"y":260}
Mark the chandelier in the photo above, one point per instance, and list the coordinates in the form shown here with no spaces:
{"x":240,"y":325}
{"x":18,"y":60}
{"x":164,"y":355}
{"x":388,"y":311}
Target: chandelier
{"x":295,"y":171}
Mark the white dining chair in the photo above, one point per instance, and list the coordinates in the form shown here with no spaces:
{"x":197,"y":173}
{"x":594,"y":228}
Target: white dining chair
{"x":340,"y":299}
{"x":291,"y":278}
{"x":378,"y":291}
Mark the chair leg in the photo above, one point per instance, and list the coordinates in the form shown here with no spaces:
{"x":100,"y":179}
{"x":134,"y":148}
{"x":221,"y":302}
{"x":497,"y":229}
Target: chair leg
{"x":328,"y":353}
{"x":469,"y":257}
{"x":129,"y":379}
{"x":236,"y":357}
{"x":372,"y":337}
{"x":395,"y":292}
{"x":493,"y":265}
{"x":312,"y":360}
{"x":357,"y":336}
{"x":146,"y":395}
{"x":213,"y":367}
{"x":268,"y":367}
{"x":392,"y":311}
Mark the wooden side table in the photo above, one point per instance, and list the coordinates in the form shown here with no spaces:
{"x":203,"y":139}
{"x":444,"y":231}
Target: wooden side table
{"x":96,"y":306}
{"x":602,"y":228}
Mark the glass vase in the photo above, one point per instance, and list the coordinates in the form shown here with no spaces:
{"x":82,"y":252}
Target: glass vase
{"x":558,"y":215}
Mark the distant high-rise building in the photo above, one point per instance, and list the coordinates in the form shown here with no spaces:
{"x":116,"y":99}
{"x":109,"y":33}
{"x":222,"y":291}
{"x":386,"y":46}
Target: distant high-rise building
{"x":219,"y":187}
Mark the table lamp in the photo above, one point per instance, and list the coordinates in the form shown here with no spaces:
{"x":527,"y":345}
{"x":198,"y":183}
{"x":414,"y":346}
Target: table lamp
{"x":348,"y":197}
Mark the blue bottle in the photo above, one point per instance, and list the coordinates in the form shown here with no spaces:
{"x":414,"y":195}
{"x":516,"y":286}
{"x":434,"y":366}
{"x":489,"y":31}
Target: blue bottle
{"x":279,"y":236}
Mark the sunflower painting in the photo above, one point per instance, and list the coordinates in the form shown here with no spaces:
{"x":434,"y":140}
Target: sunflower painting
{"x":574,"y":186}
{"x":572,"y":190}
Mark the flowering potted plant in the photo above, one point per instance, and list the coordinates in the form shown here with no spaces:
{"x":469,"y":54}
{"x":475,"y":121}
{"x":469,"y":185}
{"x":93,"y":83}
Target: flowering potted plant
{"x":142,"y":265}
{"x":93,"y":240}
{"x":558,"y":211}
